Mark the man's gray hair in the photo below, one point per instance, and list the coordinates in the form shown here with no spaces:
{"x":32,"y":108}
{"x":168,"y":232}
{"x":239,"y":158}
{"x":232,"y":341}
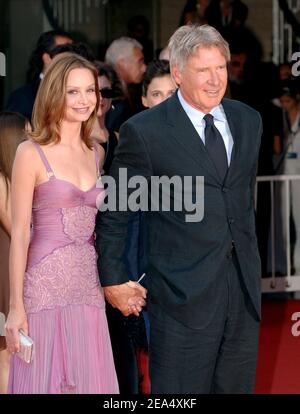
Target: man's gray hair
{"x":187,"y":39}
{"x":121,"y":48}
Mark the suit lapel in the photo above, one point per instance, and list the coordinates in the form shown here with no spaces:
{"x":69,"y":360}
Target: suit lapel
{"x":233,"y":122}
{"x":187,"y":137}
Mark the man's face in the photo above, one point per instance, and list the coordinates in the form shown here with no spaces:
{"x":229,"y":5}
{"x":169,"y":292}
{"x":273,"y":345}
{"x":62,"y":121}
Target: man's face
{"x":133,"y":67}
{"x":203,"y":80}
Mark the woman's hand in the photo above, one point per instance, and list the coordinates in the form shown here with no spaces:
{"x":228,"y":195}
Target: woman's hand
{"x":16,"y":320}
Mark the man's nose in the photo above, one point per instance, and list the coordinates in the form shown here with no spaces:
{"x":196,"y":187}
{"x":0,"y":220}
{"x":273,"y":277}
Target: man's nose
{"x":214,"y":78}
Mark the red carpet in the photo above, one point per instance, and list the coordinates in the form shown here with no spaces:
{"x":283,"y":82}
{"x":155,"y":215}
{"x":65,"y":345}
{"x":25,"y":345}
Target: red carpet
{"x":278,"y":370}
{"x":279,"y":351}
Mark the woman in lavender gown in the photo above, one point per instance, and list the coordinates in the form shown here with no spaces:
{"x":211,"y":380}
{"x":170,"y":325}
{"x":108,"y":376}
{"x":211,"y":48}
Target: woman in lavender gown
{"x":55,"y":293}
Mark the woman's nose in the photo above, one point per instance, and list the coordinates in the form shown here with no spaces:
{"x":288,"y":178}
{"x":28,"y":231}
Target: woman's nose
{"x":83,"y":97}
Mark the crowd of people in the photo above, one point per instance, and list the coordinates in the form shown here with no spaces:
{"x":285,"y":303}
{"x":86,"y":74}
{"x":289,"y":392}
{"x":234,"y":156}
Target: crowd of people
{"x":115,"y":300}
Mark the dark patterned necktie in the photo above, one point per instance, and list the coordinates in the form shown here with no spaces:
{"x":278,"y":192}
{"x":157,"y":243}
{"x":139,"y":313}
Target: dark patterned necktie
{"x":215,"y":146}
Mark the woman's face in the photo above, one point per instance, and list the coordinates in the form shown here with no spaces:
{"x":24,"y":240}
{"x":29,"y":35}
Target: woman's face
{"x":81,"y":96}
{"x":105,"y":103}
{"x":159,"y":89}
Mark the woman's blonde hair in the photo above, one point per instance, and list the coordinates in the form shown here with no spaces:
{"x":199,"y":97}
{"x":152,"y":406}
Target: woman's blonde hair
{"x":49,"y":106}
{"x":12,"y":133}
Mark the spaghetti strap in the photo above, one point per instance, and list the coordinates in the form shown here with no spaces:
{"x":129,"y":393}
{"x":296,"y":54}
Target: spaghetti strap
{"x":49,"y":170}
{"x":97,"y":158}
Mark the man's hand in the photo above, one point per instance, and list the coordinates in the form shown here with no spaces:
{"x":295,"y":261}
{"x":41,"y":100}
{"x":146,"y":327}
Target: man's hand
{"x":128,"y":297}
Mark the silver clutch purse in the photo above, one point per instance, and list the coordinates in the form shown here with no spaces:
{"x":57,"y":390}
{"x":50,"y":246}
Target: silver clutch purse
{"x":26,"y":347}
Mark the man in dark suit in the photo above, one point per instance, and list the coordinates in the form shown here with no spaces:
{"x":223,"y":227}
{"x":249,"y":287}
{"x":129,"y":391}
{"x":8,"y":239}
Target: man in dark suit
{"x":204,"y":276}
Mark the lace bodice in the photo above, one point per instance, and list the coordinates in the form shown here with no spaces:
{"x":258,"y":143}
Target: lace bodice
{"x":61,"y":266}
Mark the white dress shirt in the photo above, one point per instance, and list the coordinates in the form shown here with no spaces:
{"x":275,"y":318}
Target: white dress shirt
{"x":220,"y":121}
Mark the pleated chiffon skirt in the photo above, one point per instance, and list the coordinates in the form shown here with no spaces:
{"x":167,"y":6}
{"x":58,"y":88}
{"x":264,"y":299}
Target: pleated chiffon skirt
{"x":72,"y":354}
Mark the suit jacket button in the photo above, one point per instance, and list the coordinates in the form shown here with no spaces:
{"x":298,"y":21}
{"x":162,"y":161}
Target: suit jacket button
{"x":230,"y":220}
{"x":224,"y":189}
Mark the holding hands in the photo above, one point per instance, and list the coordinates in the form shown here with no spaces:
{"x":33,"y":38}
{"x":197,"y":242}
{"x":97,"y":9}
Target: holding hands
{"x":129,"y":297}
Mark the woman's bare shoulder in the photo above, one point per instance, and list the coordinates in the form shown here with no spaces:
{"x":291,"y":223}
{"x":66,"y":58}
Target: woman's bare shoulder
{"x":27,"y":147}
{"x":27,"y":151}
{"x":27,"y":159}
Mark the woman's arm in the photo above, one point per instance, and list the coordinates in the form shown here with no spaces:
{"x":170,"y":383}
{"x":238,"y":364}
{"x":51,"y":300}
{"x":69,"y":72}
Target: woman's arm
{"x":5,"y":205}
{"x":22,"y":187}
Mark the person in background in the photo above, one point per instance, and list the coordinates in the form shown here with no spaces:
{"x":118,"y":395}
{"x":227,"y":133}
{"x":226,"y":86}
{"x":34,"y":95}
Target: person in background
{"x":289,"y":164}
{"x":158,"y":84}
{"x":80,"y":48}
{"x":22,"y":99}
{"x":13,"y":129}
{"x":107,"y":137}
{"x":230,"y":18}
{"x":55,"y":294}
{"x":194,"y":12}
{"x":125,"y":56}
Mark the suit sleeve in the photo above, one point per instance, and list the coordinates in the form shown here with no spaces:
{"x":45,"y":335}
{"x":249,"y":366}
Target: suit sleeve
{"x":131,"y":158}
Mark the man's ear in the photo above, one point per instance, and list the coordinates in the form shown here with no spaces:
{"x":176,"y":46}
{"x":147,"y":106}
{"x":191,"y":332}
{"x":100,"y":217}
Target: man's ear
{"x":121,"y":64}
{"x":46,"y":59}
{"x":176,"y":74}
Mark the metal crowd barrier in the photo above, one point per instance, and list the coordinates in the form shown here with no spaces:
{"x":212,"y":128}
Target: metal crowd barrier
{"x":289,"y":282}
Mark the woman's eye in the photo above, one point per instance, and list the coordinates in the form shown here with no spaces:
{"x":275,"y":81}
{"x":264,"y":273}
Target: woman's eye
{"x":72,"y":92}
{"x":92,"y":90}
